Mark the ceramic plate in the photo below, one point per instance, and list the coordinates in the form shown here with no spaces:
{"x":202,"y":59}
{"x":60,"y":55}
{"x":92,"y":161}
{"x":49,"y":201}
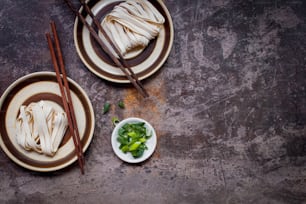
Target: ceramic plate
{"x":143,"y":62}
{"x":33,"y":88}
{"x":127,"y":157}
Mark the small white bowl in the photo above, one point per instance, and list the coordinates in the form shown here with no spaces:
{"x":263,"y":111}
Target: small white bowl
{"x":127,"y":157}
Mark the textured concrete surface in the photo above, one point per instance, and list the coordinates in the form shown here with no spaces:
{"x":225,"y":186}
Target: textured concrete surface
{"x":229,"y":107}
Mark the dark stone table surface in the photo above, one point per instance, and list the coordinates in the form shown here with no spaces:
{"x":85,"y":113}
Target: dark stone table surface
{"x":228,"y":105}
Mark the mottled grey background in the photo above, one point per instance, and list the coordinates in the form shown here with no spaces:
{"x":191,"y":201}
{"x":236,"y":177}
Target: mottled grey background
{"x":229,"y":107}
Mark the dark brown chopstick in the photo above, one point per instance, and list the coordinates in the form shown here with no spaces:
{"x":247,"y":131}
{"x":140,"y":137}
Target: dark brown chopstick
{"x":98,"y":24}
{"x":122,"y":65}
{"x":58,"y":63}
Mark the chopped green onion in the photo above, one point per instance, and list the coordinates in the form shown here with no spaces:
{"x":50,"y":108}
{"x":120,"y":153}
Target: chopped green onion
{"x":121,"y":104}
{"x":106,"y":107}
{"x":132,"y":138}
{"x":115,"y":121}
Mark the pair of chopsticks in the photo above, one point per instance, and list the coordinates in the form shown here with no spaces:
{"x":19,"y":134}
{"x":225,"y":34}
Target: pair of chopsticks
{"x":58,"y":63}
{"x":122,"y":64}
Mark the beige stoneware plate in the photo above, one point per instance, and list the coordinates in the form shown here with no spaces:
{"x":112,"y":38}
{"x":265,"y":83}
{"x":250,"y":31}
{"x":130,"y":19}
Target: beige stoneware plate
{"x":32,"y":88}
{"x":143,"y":62}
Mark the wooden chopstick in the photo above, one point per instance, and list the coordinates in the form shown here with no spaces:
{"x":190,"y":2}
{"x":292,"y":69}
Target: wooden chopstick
{"x":97,"y":23}
{"x":122,"y":65}
{"x":66,"y":84}
{"x":65,"y":92}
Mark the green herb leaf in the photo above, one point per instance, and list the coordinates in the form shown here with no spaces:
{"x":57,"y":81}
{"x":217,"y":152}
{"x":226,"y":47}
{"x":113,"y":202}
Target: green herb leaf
{"x":139,"y":152}
{"x":125,"y":149}
{"x":106,"y":107}
{"x":134,"y":146}
{"x":121,"y":104}
{"x":123,"y":140}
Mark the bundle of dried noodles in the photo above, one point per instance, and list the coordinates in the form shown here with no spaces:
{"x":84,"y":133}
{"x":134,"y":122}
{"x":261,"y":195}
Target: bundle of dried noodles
{"x":40,"y":128}
{"x":131,"y":24}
